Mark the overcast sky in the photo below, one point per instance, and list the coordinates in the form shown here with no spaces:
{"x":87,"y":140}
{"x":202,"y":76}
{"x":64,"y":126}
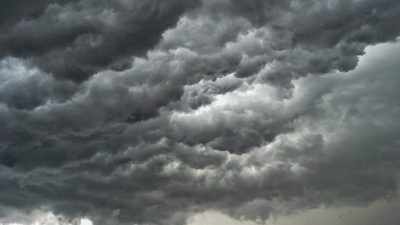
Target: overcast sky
{"x":199,"y":112}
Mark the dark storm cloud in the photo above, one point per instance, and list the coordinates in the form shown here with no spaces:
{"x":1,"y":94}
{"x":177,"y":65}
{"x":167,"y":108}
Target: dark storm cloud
{"x":30,"y":87}
{"x":186,"y":106}
{"x":310,"y":36}
{"x":75,"y":40}
{"x":13,"y":11}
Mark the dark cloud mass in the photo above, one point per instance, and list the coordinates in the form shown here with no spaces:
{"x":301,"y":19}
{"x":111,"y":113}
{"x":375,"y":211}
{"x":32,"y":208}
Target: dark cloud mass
{"x":149,"y":112}
{"x":74,"y":39}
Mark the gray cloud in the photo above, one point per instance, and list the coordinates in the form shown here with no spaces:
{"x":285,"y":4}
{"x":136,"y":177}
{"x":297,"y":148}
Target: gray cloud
{"x":76,"y":40}
{"x":166,"y":109}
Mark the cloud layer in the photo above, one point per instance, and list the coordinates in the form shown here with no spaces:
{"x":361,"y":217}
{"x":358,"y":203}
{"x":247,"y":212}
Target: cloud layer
{"x":136,"y":112}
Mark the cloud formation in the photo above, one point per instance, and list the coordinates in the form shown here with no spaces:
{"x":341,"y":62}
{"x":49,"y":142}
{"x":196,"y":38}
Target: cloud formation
{"x":75,"y":39}
{"x":133,"y":112}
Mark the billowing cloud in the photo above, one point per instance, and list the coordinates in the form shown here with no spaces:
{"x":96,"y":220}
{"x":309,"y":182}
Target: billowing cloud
{"x":151,"y":112}
{"x":75,"y":39}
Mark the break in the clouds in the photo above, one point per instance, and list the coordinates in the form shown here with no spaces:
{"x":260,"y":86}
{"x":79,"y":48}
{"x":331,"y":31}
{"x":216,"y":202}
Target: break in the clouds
{"x":154,"y":112}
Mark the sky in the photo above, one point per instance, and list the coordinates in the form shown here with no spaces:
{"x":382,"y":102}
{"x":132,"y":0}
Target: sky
{"x":199,"y":112}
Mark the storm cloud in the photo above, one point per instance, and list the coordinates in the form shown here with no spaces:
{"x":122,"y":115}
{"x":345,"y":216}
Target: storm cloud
{"x":150,"y":112}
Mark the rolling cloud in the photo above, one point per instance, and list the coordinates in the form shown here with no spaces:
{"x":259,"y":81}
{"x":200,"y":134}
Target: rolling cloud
{"x":149,"y":112}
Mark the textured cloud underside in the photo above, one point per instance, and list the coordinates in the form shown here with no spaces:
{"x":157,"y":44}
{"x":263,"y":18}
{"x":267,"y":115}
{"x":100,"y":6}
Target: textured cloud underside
{"x":148,"y":112}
